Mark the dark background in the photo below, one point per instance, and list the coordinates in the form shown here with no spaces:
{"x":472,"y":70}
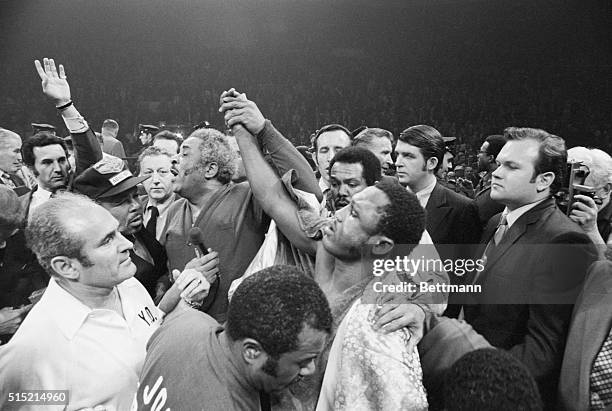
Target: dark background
{"x":469,"y":68}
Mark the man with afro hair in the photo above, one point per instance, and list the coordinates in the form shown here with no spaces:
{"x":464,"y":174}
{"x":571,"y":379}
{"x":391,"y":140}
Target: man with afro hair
{"x":277,"y":324}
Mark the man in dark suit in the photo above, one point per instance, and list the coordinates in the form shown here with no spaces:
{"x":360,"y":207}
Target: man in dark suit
{"x":535,"y":260}
{"x":589,"y":331}
{"x":452,"y":219}
{"x":489,"y":150}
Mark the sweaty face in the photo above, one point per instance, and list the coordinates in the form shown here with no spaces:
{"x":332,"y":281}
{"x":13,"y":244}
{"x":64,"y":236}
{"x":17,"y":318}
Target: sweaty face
{"x":512,"y":182}
{"x":106,"y":250}
{"x":275,"y":375}
{"x":328,"y":144}
{"x":411,"y":166}
{"x":355,"y":224}
{"x":51,"y":167}
{"x":126,"y":209}
{"x":10,"y":155}
{"x":161,"y":184}
{"x":346,"y":180}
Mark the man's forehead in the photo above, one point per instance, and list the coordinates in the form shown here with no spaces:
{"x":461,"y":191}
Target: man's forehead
{"x":333,"y":138}
{"x":52,"y":151}
{"x":156,"y":161}
{"x":191,"y":142}
{"x":403,"y":146}
{"x":92,"y":216}
{"x":349,"y":170}
{"x":10,"y":141}
{"x":519,"y":151}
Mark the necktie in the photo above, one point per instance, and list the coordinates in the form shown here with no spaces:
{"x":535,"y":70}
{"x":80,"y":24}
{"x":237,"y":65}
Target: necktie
{"x":152,"y":224}
{"x":600,"y":380}
{"x":501,"y":230}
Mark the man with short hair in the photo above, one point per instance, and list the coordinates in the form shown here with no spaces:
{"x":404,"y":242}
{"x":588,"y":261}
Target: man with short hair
{"x":487,"y":154}
{"x":46,"y":154}
{"x":351,"y":170}
{"x":146,"y":132}
{"x":230,"y":218}
{"x":88,"y":333}
{"x":381,"y":216}
{"x":535,"y":260}
{"x":158,"y":164}
{"x":277,"y":324}
{"x":112,"y":146}
{"x":10,"y":158}
{"x":326,"y":142}
{"x":379,"y":142}
{"x":167,"y":140}
{"x":452,"y":219}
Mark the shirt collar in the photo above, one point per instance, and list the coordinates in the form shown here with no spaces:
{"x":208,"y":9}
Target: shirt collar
{"x":512,"y":216}
{"x":163,"y":206}
{"x":68,"y":312}
{"x":428,"y":189}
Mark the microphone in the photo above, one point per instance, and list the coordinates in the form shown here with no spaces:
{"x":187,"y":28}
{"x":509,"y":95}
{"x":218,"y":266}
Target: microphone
{"x":196,"y":239}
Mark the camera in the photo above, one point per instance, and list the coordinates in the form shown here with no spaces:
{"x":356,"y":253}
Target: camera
{"x":573,"y":184}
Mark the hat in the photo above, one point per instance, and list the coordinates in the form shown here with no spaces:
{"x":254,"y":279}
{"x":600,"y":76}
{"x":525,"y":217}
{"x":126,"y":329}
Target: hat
{"x":105,"y":179}
{"x":42,"y":127}
{"x":148,"y":128}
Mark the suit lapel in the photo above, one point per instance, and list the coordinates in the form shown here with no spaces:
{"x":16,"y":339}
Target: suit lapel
{"x":515,"y":233}
{"x":437,"y":209}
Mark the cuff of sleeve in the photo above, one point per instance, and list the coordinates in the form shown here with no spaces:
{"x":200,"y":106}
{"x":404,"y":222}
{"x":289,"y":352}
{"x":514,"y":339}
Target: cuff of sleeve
{"x":75,"y":123}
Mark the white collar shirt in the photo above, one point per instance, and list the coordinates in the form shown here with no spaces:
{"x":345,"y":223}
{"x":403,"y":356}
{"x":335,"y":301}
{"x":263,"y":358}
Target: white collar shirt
{"x":512,"y":216}
{"x":95,"y":354}
{"x":163,"y":213}
{"x":424,"y":194}
{"x":39,"y":196}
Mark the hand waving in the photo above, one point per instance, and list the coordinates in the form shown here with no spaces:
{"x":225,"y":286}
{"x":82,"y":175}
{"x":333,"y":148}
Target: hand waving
{"x":54,"y":83}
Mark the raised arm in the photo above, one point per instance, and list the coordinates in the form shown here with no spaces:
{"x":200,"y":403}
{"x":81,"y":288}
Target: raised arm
{"x":55,"y":86}
{"x":283,"y":153}
{"x":267,"y":187}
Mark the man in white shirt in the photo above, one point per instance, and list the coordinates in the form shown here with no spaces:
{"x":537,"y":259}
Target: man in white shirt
{"x":326,"y":142}
{"x":157,"y":163}
{"x":88,"y":333}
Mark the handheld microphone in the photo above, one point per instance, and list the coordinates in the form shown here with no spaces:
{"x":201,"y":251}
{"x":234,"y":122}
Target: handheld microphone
{"x":196,"y":239}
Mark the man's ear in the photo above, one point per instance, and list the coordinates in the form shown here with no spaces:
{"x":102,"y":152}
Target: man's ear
{"x":211,"y":170}
{"x":431,"y":163}
{"x":252,"y":351}
{"x":544,"y":180}
{"x":65,"y":267}
{"x":381,"y":244}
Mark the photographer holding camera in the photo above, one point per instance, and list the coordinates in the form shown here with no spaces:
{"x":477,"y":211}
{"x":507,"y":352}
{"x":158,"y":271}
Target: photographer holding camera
{"x":591,"y":207}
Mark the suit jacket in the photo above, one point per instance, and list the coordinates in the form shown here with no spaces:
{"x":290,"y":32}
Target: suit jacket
{"x":113,"y":147}
{"x":591,"y":322}
{"x":454,"y":227}
{"x":451,"y":218}
{"x":529,"y":284}
{"x":487,"y":207}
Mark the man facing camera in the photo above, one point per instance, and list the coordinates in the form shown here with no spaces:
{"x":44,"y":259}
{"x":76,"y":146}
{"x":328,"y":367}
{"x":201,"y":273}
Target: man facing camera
{"x":277,"y":324}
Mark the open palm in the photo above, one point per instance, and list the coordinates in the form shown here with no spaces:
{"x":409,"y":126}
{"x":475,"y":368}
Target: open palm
{"x":54,"y":83}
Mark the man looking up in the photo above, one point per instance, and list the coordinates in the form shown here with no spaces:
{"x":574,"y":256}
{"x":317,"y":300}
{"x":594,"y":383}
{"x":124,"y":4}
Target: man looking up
{"x":277,"y":323}
{"x":230,"y":218}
